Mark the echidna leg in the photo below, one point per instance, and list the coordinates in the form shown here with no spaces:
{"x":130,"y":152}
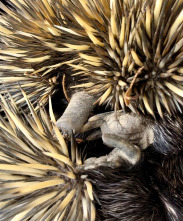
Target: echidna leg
{"x":116,"y":158}
{"x":76,"y":113}
{"x":126,"y":150}
{"x":124,"y":153}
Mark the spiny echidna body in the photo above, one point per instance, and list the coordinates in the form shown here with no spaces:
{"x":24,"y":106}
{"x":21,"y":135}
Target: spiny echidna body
{"x":38,"y":179}
{"x":126,"y":53}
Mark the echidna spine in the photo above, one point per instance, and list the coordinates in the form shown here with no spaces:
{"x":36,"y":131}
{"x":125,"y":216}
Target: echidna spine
{"x":38,"y":178}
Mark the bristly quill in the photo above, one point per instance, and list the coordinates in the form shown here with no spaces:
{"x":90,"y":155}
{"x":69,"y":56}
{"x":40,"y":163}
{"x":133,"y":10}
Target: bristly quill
{"x":39,"y":179}
{"x":126,"y":53}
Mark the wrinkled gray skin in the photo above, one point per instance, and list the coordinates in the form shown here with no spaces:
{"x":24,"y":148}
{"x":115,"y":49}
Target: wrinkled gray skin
{"x":128,"y":134}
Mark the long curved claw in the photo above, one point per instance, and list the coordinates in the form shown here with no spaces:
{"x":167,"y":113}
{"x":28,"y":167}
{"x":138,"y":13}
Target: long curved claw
{"x":127,"y":151}
{"x":101,"y":116}
{"x":95,"y":135}
{"x":90,"y":125}
{"x":123,"y":153}
{"x":95,"y":121}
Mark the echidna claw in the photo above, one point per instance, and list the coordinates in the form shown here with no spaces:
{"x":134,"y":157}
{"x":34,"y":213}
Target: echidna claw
{"x":95,"y":135}
{"x":101,"y":117}
{"x":90,"y":125}
{"x":95,"y":121}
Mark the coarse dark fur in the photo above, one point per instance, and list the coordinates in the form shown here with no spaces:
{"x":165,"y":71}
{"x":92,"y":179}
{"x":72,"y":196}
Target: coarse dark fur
{"x":150,"y":191}
{"x":168,"y":134}
{"x":168,"y":176}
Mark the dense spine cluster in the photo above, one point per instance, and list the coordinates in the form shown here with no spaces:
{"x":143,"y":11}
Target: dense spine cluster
{"x":39,"y":179}
{"x":159,"y":40}
{"x":135,"y":58}
{"x":126,"y":53}
{"x":29,"y":51}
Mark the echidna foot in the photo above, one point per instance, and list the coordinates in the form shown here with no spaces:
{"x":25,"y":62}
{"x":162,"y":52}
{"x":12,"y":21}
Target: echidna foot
{"x":129,"y":127}
{"x":114,"y":159}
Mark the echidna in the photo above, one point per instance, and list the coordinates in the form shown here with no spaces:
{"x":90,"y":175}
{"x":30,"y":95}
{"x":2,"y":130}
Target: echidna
{"x":125,"y":53}
{"x":39,"y":178}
